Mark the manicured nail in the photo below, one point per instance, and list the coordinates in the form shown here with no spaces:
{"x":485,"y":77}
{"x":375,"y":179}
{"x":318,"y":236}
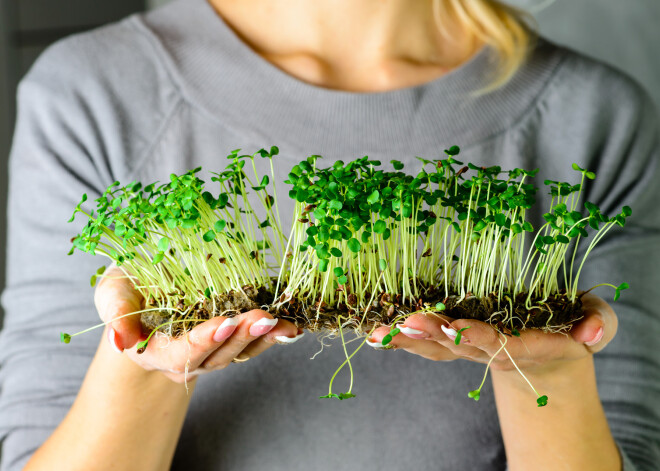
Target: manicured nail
{"x":597,"y":338}
{"x":262,"y":326}
{"x":227,"y":328}
{"x":412,"y":333}
{"x":376,"y":344}
{"x":451,"y":333}
{"x":113,"y":340}
{"x":289,"y":340}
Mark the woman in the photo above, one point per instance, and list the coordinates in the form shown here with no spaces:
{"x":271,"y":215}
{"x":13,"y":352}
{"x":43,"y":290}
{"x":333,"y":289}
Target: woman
{"x":180,"y":87}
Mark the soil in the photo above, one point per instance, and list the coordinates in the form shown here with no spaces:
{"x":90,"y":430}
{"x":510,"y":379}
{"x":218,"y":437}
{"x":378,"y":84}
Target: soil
{"x":556,"y":314}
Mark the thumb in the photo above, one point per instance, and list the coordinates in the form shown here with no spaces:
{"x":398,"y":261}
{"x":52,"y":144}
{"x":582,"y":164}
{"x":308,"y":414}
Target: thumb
{"x":115,"y":296}
{"x":598,"y":326}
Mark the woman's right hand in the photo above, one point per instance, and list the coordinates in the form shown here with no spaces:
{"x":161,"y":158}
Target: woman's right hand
{"x":211,"y":345}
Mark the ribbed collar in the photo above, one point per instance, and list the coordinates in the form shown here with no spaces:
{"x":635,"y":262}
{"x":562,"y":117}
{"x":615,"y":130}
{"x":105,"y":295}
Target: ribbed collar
{"x":220,"y":74}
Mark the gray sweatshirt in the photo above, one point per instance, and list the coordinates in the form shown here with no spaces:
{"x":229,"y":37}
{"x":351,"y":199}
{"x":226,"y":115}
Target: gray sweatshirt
{"x":174,"y":89}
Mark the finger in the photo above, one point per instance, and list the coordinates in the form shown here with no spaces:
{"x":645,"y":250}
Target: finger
{"x":115,"y":296}
{"x":283,"y":333}
{"x":426,"y":326}
{"x":479,"y":341}
{"x":599,"y":325}
{"x":445,"y":330}
{"x":427,"y":349}
{"x":186,"y":353}
{"x":252,"y":325}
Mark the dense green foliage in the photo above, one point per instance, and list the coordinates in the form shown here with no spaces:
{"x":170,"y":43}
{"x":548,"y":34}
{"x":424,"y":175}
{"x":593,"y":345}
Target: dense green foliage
{"x":359,"y":229}
{"x":359,"y":233}
{"x":181,"y":242}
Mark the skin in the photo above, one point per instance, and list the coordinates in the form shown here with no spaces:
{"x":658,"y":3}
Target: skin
{"x":571,"y":431}
{"x":140,"y":434}
{"x":363,"y":46}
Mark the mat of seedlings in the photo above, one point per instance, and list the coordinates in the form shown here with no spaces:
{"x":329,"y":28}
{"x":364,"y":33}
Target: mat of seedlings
{"x":556,"y":313}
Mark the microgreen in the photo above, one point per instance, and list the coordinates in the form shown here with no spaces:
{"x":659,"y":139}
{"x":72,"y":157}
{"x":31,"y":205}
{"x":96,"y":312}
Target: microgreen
{"x":361,"y":238}
{"x":142,"y":346}
{"x":180,"y":237}
{"x":390,"y":336}
{"x":471,"y":229}
{"x":459,"y":335}
{"x":340,"y":396}
{"x":99,"y":272}
{"x":620,"y":288}
{"x":617,"y":289}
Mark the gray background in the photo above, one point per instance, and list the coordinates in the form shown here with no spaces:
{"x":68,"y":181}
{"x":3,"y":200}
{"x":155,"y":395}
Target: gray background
{"x":625,"y":34}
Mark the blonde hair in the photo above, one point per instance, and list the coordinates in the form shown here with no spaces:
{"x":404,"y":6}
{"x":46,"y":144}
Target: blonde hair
{"x":506,"y":29}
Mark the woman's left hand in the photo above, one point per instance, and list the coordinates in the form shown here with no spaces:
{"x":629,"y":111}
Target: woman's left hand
{"x":433,"y":337}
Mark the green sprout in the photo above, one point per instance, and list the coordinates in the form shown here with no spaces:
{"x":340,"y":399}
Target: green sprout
{"x":99,"y":272}
{"x":459,"y":335}
{"x":393,"y":333}
{"x":476,"y":394}
{"x":471,"y":231}
{"x":367,"y":247}
{"x":183,"y":244}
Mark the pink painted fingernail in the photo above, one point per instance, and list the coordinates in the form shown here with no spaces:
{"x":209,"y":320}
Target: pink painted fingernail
{"x":289,"y":340}
{"x":597,"y":338}
{"x":262,"y":326}
{"x":227,"y":328}
{"x":412,"y":333}
{"x":451,"y":333}
{"x":375,"y":343}
{"x":112,"y":338}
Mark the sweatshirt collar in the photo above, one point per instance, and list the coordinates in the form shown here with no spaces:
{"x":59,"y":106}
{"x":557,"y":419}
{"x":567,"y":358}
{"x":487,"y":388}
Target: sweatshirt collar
{"x":217,"y":72}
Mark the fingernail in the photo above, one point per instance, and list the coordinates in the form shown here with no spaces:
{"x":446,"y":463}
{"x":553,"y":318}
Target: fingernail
{"x":262,"y":326}
{"x":113,"y":340}
{"x":376,"y":344}
{"x":225,"y":329}
{"x":412,"y":333}
{"x":451,"y":333}
{"x":597,"y":338}
{"x":289,"y":340}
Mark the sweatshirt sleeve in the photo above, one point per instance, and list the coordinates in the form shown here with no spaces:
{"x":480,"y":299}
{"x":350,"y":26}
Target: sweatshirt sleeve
{"x":601,"y":119}
{"x":627,"y":164}
{"x":76,"y":132}
{"x":54,"y":160}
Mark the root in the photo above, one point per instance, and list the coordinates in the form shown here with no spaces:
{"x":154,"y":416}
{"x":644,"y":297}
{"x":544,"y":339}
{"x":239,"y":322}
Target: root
{"x":556,"y":314}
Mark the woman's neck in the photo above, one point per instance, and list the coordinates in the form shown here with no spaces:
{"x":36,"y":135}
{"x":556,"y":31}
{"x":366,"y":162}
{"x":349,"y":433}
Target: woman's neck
{"x":357,"y":45}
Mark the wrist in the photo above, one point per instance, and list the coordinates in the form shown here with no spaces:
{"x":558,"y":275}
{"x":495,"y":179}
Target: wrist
{"x":572,"y":426}
{"x":120,"y":369}
{"x":556,"y":379}
{"x":120,"y":407}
